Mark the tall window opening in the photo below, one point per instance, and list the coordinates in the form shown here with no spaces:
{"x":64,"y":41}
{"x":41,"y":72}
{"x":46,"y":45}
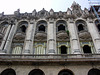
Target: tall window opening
{"x":61,"y":27}
{"x":87,"y":49}
{"x":98,"y":27}
{"x":94,"y":71}
{"x":23,"y":28}
{"x":36,"y":72}
{"x":65,"y":72}
{"x":42,"y":28}
{"x":8,"y":72}
{"x":80,"y":27}
{"x":63,"y":49}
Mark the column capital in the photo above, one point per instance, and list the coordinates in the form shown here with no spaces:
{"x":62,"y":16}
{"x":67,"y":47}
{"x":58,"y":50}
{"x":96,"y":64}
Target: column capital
{"x":51,"y":20}
{"x":70,"y":20}
{"x":89,"y":20}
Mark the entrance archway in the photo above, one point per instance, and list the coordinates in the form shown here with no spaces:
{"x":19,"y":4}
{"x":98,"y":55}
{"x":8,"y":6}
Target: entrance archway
{"x":94,"y":71}
{"x":36,"y":72}
{"x":8,"y":72}
{"x":65,"y":72}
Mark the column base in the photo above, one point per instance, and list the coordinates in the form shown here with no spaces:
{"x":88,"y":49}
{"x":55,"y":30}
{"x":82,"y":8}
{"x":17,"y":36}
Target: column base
{"x":51,"y":51}
{"x":26,"y":52}
{"x":2,"y":52}
{"x":76,"y":51}
{"x":98,"y":51}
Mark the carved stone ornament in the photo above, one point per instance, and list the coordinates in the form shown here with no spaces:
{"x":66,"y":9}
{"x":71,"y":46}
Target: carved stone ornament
{"x":62,"y":35}
{"x":40,"y":36}
{"x":19,"y":36}
{"x":84,"y":35}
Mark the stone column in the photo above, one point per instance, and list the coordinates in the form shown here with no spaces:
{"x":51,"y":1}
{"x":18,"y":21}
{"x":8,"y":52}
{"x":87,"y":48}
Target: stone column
{"x":51,"y":37}
{"x":94,"y":34}
{"x":7,"y":46}
{"x":28,"y":45}
{"x":74,"y":40}
{"x":4,"y":39}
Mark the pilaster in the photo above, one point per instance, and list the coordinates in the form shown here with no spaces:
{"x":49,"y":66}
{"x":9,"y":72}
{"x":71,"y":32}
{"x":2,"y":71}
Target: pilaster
{"x":51,"y":37}
{"x":7,"y":46}
{"x":4,"y":39}
{"x":94,"y":34}
{"x":28,"y":45}
{"x":74,"y":40}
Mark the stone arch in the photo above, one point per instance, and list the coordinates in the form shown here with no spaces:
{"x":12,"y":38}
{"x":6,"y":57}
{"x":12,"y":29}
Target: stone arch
{"x":22,"y":26}
{"x":61,"y":25}
{"x":81,"y":25}
{"x":87,"y":49}
{"x":41,"y":26}
{"x":8,"y":71}
{"x":3,"y":27}
{"x":3,"y":30}
{"x":65,"y":72}
{"x":36,"y":72}
{"x":94,"y":71}
{"x":19,"y":37}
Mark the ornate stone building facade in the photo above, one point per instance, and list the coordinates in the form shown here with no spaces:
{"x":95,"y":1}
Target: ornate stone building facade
{"x":50,"y":43}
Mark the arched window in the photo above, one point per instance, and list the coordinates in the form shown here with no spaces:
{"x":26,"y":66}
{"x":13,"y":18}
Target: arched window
{"x":80,"y":27}
{"x":63,"y":49}
{"x":23,"y":28}
{"x":36,"y":72}
{"x":8,"y":72}
{"x":61,"y":27}
{"x":87,"y":49}
{"x":65,"y":72}
{"x":17,"y":50}
{"x":41,"y":28}
{"x":98,"y":26}
{"x":94,"y":71}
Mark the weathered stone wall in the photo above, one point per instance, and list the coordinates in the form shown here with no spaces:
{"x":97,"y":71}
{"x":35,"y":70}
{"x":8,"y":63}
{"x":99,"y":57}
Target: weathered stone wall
{"x":77,"y":69}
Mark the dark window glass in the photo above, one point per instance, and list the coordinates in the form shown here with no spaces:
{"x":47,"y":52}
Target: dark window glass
{"x":23,"y":29}
{"x":61,"y":27}
{"x":80,"y":27}
{"x":87,"y":49}
{"x":42,"y":28}
{"x":63,"y":49}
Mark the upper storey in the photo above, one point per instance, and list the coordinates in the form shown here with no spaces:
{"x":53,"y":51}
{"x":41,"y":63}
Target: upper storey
{"x":74,"y":12}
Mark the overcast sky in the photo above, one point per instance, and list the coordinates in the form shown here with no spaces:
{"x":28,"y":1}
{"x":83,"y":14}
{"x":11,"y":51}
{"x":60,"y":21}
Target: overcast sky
{"x":9,"y":6}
